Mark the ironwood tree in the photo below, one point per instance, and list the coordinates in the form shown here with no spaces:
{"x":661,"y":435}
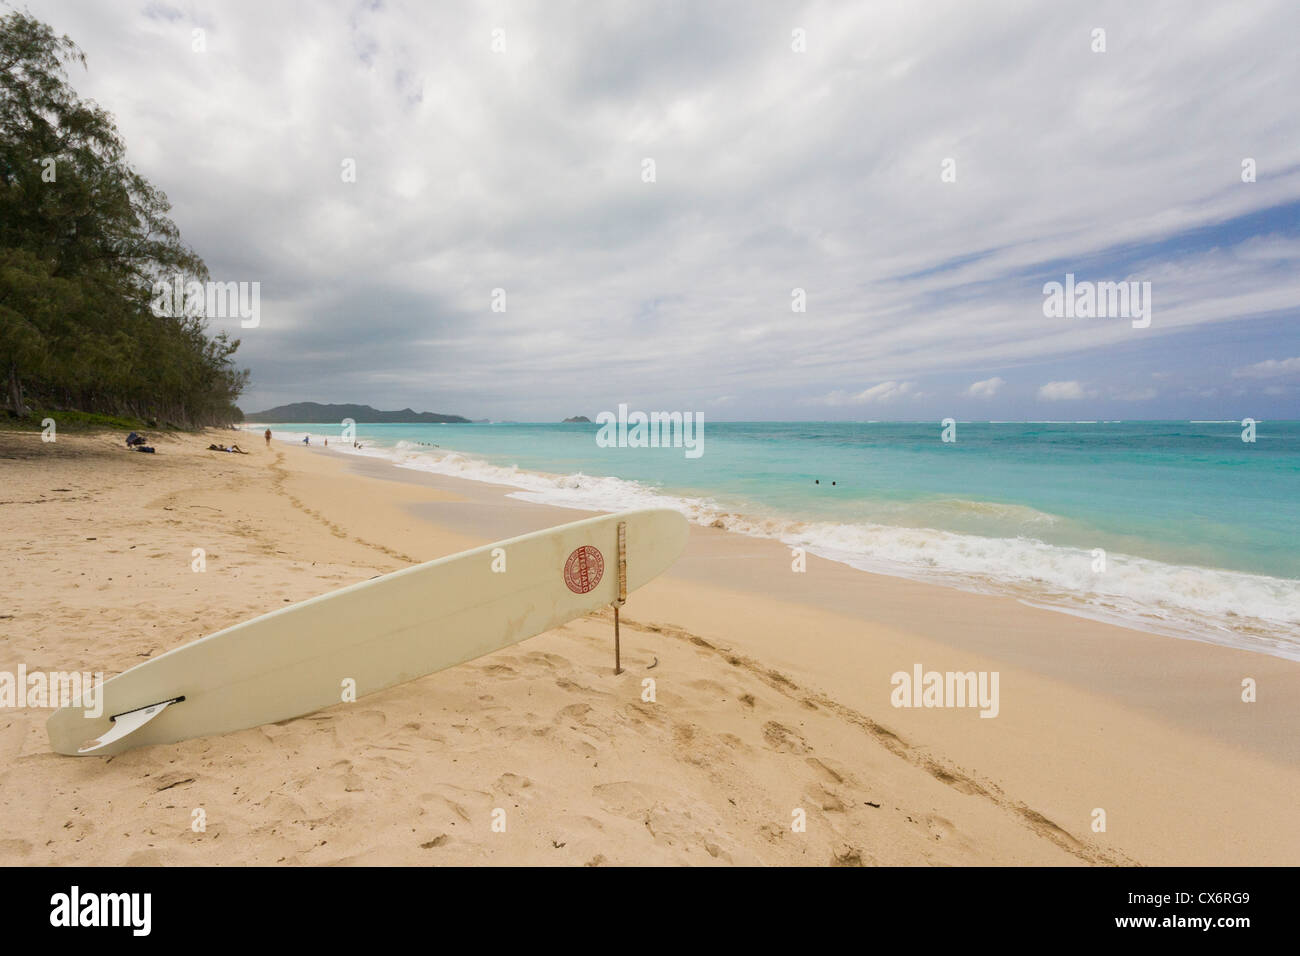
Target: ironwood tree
{"x":83,"y":239}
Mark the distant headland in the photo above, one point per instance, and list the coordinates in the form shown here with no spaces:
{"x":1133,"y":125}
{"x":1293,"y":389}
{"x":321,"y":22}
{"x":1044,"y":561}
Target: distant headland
{"x":315,"y":413}
{"x":577,"y":420}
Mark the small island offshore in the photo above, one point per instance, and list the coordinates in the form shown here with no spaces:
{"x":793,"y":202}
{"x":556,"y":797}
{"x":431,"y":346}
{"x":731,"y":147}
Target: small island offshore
{"x":577,"y":420}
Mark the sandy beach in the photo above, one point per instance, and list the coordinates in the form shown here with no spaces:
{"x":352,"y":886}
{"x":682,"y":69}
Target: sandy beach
{"x":772,"y":696}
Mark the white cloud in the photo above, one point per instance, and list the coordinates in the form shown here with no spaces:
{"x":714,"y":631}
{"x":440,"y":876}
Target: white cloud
{"x":1061,"y":391}
{"x":1269,"y":369}
{"x":986,"y":388}
{"x":522,"y":170}
{"x":877,"y":394}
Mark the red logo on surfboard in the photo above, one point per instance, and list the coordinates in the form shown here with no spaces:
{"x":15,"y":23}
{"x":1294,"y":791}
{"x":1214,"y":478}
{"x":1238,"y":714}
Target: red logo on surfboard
{"x":584,"y":569}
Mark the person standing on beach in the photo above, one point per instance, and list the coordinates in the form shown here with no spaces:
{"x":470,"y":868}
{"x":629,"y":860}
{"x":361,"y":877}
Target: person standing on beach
{"x":268,"y":438}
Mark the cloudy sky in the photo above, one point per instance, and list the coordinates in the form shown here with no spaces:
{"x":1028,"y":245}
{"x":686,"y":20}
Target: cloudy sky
{"x":919,"y":169}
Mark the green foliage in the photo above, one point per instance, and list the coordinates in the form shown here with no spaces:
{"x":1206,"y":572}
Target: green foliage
{"x":83,"y":238}
{"x":72,"y":421}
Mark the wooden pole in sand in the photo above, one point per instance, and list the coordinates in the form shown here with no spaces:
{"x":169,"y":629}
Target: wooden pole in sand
{"x":622,"y":589}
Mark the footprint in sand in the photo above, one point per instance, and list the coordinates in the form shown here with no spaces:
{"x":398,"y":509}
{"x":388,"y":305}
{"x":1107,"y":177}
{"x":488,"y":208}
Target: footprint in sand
{"x":574,"y":713}
{"x":627,"y":798}
{"x":514,"y":786}
{"x":784,"y":740}
{"x":940,"y":828}
{"x":826,"y":798}
{"x":848,"y":856}
{"x":824,"y":771}
{"x":545,"y":660}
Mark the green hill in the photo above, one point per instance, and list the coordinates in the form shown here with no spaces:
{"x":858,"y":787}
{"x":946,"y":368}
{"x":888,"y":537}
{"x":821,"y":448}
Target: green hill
{"x":314,"y":413}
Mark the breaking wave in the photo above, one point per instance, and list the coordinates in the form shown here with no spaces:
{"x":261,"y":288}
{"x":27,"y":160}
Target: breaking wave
{"x":1247,"y":611}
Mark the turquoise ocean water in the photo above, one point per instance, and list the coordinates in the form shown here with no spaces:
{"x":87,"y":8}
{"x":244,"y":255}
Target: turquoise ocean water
{"x":1199,"y":528}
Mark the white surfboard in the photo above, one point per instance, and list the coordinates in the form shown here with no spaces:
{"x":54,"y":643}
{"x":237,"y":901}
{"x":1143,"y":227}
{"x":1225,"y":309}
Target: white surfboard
{"x":381,"y":632}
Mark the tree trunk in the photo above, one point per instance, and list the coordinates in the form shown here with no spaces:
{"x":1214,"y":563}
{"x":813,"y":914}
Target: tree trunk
{"x":16,"y":392}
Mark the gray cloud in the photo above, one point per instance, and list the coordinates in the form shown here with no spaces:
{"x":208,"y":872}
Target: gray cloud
{"x":521,"y":170}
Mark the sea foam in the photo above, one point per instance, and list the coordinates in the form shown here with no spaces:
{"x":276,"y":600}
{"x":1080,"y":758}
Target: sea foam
{"x":1247,"y":611}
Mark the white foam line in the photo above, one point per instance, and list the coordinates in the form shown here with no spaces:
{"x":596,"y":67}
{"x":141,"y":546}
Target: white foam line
{"x":1203,"y":604}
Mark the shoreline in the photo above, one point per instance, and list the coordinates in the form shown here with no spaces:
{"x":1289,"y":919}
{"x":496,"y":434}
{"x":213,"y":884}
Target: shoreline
{"x":1151,"y":729}
{"x":484,"y":512}
{"x":1263,"y":635}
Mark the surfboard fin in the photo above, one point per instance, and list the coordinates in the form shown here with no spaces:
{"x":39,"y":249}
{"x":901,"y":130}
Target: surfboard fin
{"x":127,"y":723}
